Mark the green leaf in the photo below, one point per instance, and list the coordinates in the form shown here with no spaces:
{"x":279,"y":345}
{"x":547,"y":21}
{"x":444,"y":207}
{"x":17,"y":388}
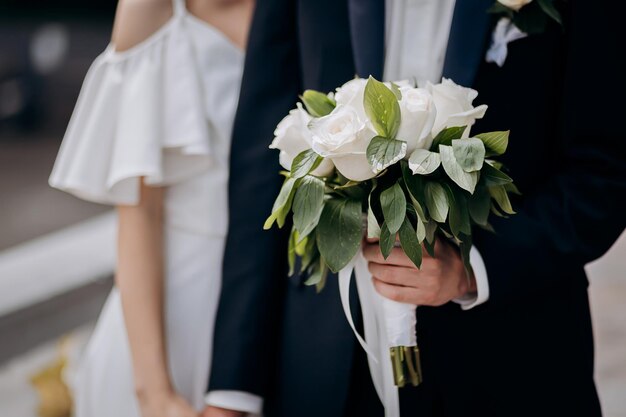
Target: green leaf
{"x":469,"y":153}
{"x":459,"y":214}
{"x":446,"y":136}
{"x":339,"y":232}
{"x":317,"y":104}
{"x":493,"y":176}
{"x":465,"y":246}
{"x":430,"y":247}
{"x":495,"y":142}
{"x":431,"y":229}
{"x":308,"y":204}
{"x":373,"y":228}
{"x":409,"y":242}
{"x":309,"y":253}
{"x":424,"y":162}
{"x":382,"y":108}
{"x":291,"y":251}
{"x":301,"y":245}
{"x":548,"y":7}
{"x":413,"y":183}
{"x":479,"y":205}
{"x":512,"y":188}
{"x":304,"y":163}
{"x":383,"y":152}
{"x":494,"y":210}
{"x":436,"y":201}
{"x":498,"y":193}
{"x":282,"y":205}
{"x":318,"y":275}
{"x":387,"y":240}
{"x":393,"y":203}
{"x":465,"y":180}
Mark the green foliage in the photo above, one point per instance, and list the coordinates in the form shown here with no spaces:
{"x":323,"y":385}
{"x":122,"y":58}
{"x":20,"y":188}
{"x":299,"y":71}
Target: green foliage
{"x":469,"y":153}
{"x":459,"y":213}
{"x":382,"y":152}
{"x":479,"y":205}
{"x":465,"y":180}
{"x":382,"y":108}
{"x":282,"y":205}
{"x":446,"y":136}
{"x":387,"y":240}
{"x":498,"y":193}
{"x":304,"y":163}
{"x":317,"y":104}
{"x":339,"y":232}
{"x":490,"y":175}
{"x":424,"y":162}
{"x":436,"y":201}
{"x":495,"y":142}
{"x":393,"y":203}
{"x":410,"y":243}
{"x":308,"y":204}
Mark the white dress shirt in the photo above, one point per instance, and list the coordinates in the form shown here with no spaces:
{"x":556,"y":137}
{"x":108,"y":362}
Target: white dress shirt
{"x":416,"y":41}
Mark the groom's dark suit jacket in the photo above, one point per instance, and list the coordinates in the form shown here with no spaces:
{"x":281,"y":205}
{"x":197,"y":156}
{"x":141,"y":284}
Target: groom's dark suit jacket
{"x":529,"y":349}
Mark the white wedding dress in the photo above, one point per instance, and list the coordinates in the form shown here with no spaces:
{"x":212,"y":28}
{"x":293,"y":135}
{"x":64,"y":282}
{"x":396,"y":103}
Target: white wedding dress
{"x":162,"y":110}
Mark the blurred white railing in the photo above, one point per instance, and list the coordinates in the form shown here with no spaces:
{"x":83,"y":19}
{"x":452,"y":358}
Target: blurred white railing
{"x":57,"y":262}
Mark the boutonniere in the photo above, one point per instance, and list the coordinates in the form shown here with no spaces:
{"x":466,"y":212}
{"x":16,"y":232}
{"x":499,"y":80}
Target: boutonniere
{"x":519,"y":18}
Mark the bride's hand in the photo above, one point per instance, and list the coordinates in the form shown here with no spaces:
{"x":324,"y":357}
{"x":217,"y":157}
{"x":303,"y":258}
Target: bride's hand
{"x":165,"y":404}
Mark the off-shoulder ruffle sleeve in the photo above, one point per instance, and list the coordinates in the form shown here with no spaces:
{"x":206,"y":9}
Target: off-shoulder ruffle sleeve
{"x":140,"y":114}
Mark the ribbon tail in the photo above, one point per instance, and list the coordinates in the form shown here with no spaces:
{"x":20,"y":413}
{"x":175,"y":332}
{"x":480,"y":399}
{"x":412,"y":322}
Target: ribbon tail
{"x":345,"y":275}
{"x":374,"y":324}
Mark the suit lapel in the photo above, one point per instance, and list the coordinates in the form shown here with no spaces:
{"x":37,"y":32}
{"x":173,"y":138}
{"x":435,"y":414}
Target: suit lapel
{"x":367,"y":31}
{"x":467,"y":42}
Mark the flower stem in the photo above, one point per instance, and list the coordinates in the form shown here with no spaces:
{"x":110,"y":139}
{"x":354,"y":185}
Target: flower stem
{"x":406,"y":364}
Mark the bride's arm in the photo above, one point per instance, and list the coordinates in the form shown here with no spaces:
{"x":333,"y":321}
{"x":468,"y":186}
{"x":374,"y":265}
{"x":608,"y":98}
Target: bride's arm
{"x":139,"y":279}
{"x":140,"y":275}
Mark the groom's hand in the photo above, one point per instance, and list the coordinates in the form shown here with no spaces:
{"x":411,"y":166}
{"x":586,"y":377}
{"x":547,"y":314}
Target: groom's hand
{"x":438,"y":281}
{"x":211,"y":411}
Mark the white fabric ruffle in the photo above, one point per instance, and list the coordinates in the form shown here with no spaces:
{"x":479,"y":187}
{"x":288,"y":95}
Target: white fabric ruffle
{"x":140,"y":113}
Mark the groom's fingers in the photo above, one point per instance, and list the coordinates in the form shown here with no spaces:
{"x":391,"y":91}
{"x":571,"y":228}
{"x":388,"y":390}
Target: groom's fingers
{"x":394,"y":275}
{"x":398,"y":293}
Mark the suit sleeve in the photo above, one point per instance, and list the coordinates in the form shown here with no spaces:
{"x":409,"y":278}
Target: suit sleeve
{"x":255,"y":273}
{"x":576,"y":214}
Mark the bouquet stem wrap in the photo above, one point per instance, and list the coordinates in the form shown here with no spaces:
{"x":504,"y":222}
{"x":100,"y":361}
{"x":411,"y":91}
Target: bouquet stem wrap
{"x":389,"y":335}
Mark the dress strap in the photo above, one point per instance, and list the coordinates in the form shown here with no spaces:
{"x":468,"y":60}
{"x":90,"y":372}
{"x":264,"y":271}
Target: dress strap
{"x":179,"y":7}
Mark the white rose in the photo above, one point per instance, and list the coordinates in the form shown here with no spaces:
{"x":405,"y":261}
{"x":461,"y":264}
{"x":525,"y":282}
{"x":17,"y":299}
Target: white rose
{"x":454,"y":106}
{"x":417,"y":116}
{"x":351,"y":92}
{"x":293,"y":136}
{"x":514,"y":4}
{"x":343,"y":137}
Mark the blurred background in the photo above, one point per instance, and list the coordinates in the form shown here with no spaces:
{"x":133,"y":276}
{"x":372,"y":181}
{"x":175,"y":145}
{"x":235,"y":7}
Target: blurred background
{"x":57,"y":252}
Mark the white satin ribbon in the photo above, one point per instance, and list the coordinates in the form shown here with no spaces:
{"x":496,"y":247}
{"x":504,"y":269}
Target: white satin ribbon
{"x":376,"y":342}
{"x":504,"y":33}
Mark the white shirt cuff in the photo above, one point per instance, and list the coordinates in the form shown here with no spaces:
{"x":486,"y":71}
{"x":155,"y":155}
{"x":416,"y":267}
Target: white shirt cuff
{"x":236,"y":401}
{"x":471,"y":300}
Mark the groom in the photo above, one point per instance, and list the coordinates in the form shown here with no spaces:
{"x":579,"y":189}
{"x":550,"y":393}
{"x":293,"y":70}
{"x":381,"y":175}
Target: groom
{"x":525,"y":348}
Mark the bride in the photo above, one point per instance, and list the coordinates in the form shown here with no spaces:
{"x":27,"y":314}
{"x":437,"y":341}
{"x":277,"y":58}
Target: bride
{"x":151,"y":135}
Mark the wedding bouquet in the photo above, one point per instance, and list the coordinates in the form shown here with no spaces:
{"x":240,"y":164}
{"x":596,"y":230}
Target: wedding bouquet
{"x":393,"y":161}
